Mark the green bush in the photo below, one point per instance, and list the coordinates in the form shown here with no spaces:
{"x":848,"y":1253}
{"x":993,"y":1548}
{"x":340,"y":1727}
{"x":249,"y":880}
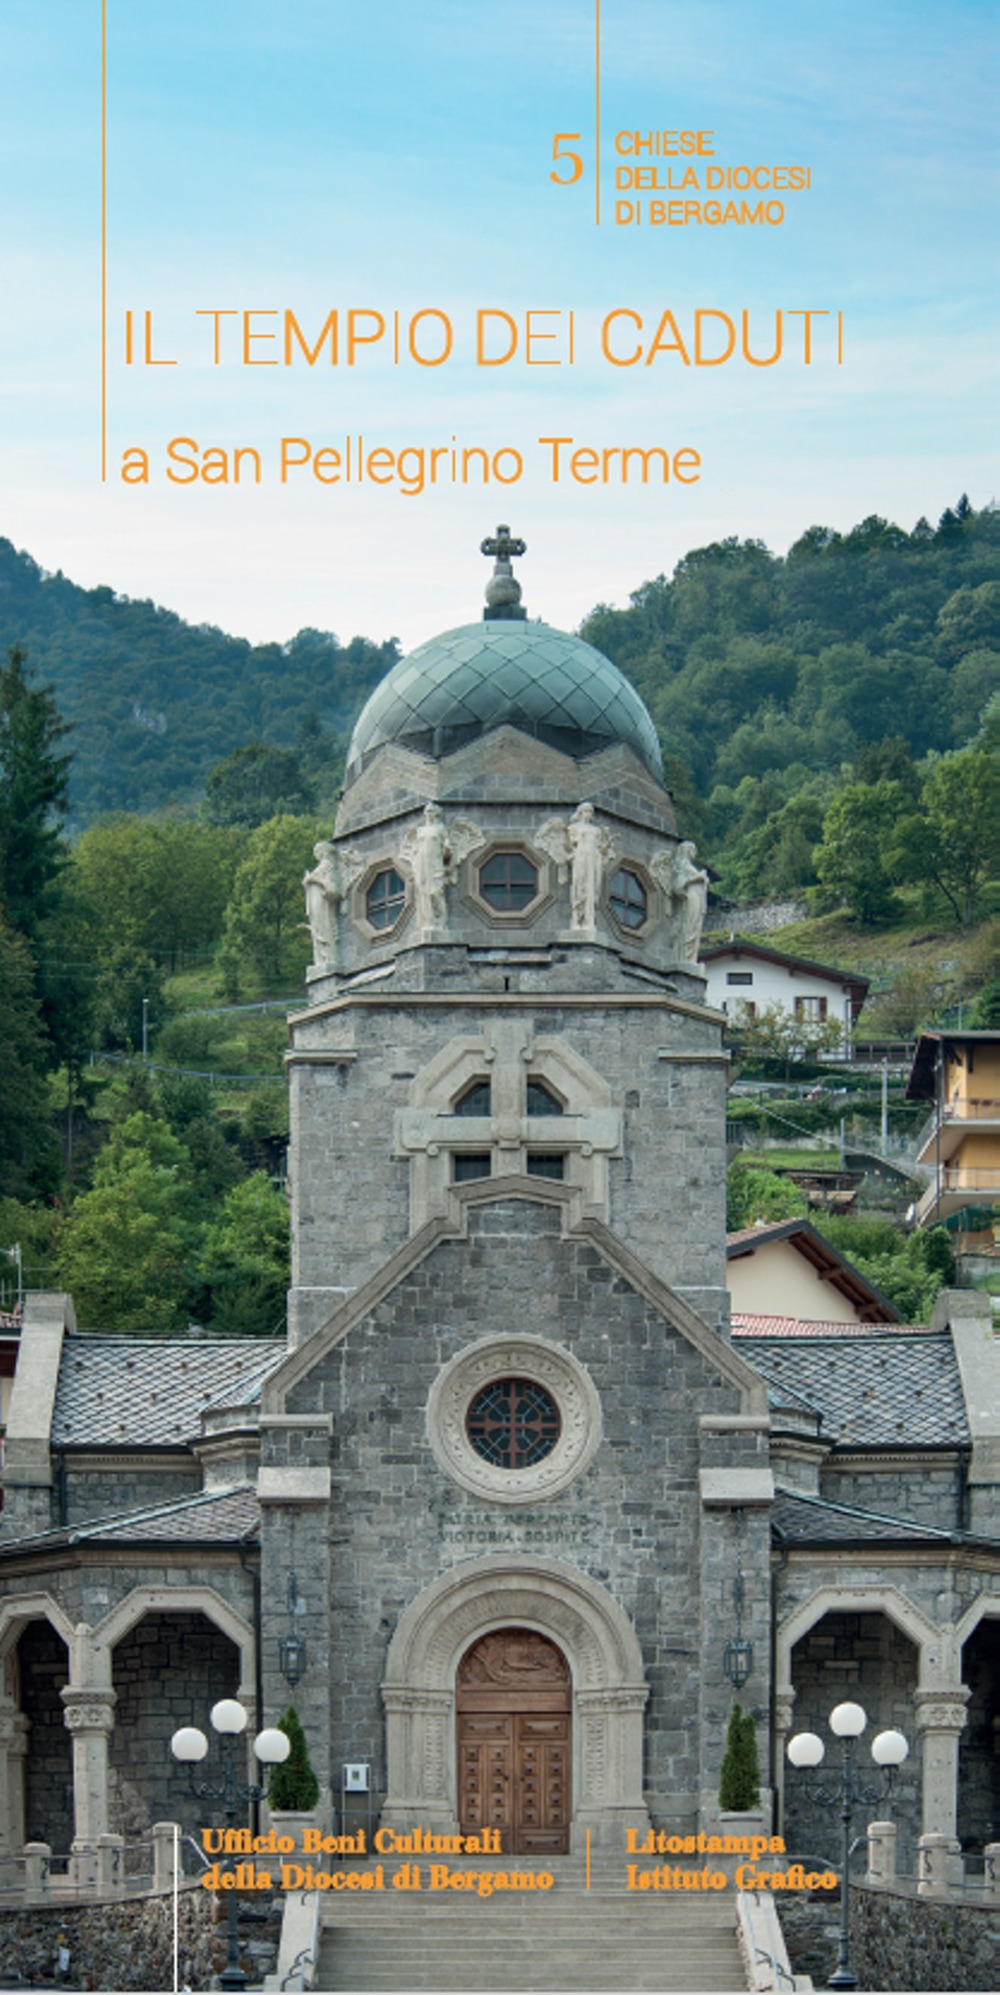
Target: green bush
{"x":293,"y":1785}
{"x":739,"y":1777}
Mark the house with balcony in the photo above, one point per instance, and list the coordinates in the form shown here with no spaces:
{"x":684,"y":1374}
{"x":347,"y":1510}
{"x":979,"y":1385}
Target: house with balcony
{"x":958,"y":1073}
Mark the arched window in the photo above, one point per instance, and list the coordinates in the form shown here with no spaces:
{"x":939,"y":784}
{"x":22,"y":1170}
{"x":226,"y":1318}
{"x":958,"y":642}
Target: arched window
{"x":474,"y":1100}
{"x":542,"y":1101}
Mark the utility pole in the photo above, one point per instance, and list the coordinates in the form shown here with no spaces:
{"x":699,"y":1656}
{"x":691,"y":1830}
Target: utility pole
{"x":145,"y":1030}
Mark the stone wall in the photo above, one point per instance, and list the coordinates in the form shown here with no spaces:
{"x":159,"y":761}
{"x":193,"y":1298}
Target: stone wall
{"x":666,"y":1188}
{"x":631,"y":1521}
{"x":900,"y":1941}
{"x":126,"y":1944}
{"x":168,"y":1671}
{"x":921,"y":1495}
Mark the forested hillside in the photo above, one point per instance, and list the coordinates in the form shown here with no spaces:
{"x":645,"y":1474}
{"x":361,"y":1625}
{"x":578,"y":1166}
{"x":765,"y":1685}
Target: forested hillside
{"x":153,"y":701}
{"x":763,"y":673}
{"x":831,"y":725}
{"x":770,"y":679}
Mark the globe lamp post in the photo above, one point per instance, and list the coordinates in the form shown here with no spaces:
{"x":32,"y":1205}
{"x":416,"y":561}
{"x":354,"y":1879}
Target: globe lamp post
{"x":888,"y":1750}
{"x":189,"y":1745}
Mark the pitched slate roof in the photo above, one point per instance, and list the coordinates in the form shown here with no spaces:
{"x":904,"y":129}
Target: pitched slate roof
{"x":221,"y":1516}
{"x":217,"y":1517}
{"x":883,"y":1390}
{"x":130,"y":1392}
{"x":813,"y":1520}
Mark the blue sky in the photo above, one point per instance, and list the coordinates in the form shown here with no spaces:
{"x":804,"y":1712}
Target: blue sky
{"x":397,"y":157}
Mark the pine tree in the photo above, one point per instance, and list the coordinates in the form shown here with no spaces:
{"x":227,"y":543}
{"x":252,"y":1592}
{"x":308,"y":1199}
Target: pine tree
{"x":739,"y":1778}
{"x":293,"y":1784}
{"x":33,"y":795}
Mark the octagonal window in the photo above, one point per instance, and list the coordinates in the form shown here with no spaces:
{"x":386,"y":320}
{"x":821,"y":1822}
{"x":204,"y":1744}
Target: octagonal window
{"x":386,"y":898}
{"x":508,"y":881}
{"x":627,"y":898}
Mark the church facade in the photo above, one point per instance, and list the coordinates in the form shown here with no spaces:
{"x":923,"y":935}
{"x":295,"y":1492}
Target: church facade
{"x":511,"y":1508}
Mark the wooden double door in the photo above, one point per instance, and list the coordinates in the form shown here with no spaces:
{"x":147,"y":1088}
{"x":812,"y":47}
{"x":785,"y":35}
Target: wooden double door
{"x":513,"y":1699}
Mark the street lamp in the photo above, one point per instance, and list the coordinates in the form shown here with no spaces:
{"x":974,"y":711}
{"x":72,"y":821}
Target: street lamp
{"x":888,"y":1750}
{"x":189,"y":1746}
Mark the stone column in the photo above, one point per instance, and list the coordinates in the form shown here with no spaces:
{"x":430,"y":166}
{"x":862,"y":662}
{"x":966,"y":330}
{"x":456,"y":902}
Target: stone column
{"x":881,"y":1853}
{"x":991,"y":1874}
{"x":14,"y":1729}
{"x":939,"y":1865}
{"x":166,"y":1841}
{"x":420,"y":1724}
{"x":89,"y":1717}
{"x":940,"y":1719}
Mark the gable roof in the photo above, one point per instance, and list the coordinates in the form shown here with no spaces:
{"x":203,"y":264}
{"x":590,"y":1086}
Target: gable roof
{"x":871,"y":1304}
{"x":848,"y":980}
{"x":131,"y":1392}
{"x":880,"y":1391}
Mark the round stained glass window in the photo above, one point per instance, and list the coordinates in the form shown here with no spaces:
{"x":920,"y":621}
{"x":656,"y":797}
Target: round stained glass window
{"x":513,"y":1423}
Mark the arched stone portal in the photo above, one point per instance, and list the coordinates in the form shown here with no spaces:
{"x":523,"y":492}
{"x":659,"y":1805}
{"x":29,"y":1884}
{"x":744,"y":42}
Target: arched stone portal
{"x":608,"y":1690}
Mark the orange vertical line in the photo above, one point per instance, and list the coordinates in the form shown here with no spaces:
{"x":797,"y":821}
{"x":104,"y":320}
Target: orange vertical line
{"x":104,"y":241}
{"x":597,"y":112}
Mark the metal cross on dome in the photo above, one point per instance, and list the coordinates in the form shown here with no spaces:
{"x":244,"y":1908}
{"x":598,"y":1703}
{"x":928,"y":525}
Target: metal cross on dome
{"x":502,"y":544}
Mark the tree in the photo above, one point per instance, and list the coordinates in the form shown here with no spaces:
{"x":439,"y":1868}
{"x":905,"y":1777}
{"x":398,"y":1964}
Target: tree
{"x":739,"y":1775}
{"x":264,"y":918}
{"x":244,"y":1262}
{"x":955,"y":839}
{"x":33,"y":795}
{"x":908,"y":1269}
{"x":754,"y":1193}
{"x":255,"y":783}
{"x":852,"y":857}
{"x":28,"y":1153}
{"x":127,"y":1249}
{"x":293,"y":1784}
{"x":775,"y":1033}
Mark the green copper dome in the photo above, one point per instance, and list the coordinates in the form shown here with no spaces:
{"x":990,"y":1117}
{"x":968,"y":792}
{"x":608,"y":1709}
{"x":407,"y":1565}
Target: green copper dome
{"x":464,"y":683}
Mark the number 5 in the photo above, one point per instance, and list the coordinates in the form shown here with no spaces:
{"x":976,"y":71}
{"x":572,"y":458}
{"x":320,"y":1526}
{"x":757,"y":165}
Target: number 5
{"x":561,"y":151}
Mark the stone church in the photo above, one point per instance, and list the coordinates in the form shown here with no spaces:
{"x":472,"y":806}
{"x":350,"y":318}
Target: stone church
{"x":511,"y":1511}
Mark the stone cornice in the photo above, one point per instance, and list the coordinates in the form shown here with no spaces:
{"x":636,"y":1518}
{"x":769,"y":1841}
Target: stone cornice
{"x":407,"y":1000}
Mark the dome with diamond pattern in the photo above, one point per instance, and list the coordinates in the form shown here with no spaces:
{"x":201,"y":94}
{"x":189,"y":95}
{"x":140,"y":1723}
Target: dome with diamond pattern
{"x":504,"y":673}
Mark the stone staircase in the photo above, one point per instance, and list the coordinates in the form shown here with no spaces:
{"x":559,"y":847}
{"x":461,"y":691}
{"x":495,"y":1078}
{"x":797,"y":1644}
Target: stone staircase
{"x":568,"y":1938}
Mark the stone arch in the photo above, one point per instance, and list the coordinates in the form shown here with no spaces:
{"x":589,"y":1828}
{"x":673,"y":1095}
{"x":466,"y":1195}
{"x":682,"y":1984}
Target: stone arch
{"x":17,"y":1612}
{"x":609,"y":1688}
{"x":977,"y":1636}
{"x":145,"y":1600}
{"x":933,"y":1643}
{"x":16,"y":1616}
